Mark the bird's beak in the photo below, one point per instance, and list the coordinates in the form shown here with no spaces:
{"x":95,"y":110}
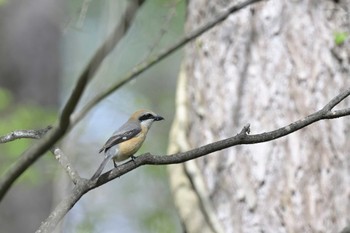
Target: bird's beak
{"x":158,"y":118}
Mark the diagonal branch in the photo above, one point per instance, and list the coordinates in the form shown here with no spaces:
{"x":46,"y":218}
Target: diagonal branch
{"x":148,"y":159}
{"x":31,"y":155}
{"x":240,"y":139}
{"x":335,"y":101}
{"x":142,"y":67}
{"x":43,"y":145}
{"x":66,"y":165}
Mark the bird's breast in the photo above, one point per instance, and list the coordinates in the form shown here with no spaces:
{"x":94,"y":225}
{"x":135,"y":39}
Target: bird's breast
{"x":129,"y":147}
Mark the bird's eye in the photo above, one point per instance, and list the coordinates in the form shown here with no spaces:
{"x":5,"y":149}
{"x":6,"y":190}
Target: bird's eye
{"x":146,"y":116}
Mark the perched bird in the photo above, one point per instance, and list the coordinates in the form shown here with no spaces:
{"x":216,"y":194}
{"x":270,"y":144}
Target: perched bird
{"x":128,"y":139}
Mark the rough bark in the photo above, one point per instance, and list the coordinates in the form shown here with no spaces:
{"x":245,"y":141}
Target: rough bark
{"x":268,"y":66}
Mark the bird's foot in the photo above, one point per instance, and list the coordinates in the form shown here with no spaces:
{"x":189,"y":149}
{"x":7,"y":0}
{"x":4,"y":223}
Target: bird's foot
{"x":133,"y":157}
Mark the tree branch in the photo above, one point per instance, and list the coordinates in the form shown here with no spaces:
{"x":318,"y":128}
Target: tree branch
{"x":142,"y":67}
{"x":63,"y":207}
{"x":34,"y":152}
{"x":19,"y":134}
{"x":66,"y":165}
{"x":240,"y":139}
{"x":37,"y":134}
{"x":148,"y":159}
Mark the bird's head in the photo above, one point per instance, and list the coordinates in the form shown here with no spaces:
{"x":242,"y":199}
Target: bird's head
{"x":146,"y":117}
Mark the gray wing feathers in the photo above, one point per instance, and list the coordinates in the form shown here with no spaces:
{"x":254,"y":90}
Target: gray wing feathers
{"x":125,"y":132}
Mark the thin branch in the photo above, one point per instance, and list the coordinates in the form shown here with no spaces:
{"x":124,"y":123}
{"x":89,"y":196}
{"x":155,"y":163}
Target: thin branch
{"x":37,"y":134}
{"x":337,"y":113}
{"x":142,"y":67}
{"x":43,"y":145}
{"x":33,"y":153}
{"x":164,"y":27}
{"x":19,"y":134}
{"x":148,"y":159}
{"x":335,"y":101}
{"x":240,"y":139}
{"x":63,"y":207}
{"x":66,"y":165}
{"x":28,"y":158}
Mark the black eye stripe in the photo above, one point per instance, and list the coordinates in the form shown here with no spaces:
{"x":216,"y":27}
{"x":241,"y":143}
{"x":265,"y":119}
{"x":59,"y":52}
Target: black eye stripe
{"x":146,"y":117}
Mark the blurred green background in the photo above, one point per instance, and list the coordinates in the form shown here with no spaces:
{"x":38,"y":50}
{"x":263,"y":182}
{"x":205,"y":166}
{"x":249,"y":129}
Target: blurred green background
{"x":44,"y":47}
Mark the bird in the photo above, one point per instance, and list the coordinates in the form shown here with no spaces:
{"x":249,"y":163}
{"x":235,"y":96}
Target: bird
{"x":128,"y":139}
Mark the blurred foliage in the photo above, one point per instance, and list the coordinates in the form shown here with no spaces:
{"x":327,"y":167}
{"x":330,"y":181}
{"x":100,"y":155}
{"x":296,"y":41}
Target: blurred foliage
{"x":3,"y":2}
{"x":156,"y":171}
{"x":159,"y":222}
{"x":19,"y":117}
{"x":85,"y":226}
{"x":340,"y":37}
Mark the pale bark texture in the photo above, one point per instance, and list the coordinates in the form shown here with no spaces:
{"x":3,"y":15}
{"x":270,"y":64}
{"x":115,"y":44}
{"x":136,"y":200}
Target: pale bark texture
{"x":268,"y":65}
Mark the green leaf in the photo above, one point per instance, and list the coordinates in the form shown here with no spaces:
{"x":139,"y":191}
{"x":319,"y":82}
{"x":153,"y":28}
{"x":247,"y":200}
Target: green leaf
{"x":340,"y":37}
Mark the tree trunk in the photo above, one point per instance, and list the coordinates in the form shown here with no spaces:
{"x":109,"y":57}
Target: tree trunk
{"x":268,"y":65}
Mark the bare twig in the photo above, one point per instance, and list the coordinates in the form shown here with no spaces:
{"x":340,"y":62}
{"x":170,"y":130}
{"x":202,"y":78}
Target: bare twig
{"x":83,"y":187}
{"x":19,"y":134}
{"x":64,"y":162}
{"x":336,"y":100}
{"x":37,"y":134}
{"x":34,"y":152}
{"x":63,"y":207}
{"x":150,"y":62}
{"x":241,"y":138}
{"x":163,"y":29}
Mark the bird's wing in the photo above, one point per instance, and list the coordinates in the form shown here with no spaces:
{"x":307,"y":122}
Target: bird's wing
{"x":121,"y":135}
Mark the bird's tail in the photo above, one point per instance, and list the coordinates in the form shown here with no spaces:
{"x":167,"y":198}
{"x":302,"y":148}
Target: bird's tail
{"x":100,"y":168}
